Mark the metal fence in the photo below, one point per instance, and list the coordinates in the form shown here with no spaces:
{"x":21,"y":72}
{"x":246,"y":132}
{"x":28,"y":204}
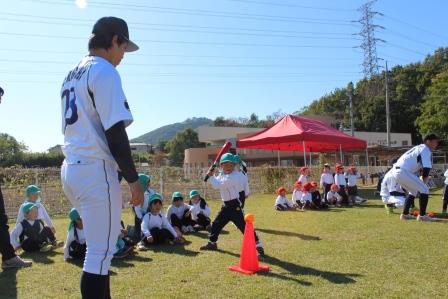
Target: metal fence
{"x":165,"y":180}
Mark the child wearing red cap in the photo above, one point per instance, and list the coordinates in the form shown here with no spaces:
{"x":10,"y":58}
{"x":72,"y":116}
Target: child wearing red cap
{"x":326,"y":180}
{"x":316,"y":198}
{"x":333,"y":196}
{"x":297,"y":194}
{"x":352,"y":178}
{"x":304,"y":173}
{"x":306,"y":196}
{"x":339,"y":179}
{"x":282,"y":203}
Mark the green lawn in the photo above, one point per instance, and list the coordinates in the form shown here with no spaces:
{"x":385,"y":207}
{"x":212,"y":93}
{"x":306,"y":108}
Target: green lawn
{"x":342,"y":253}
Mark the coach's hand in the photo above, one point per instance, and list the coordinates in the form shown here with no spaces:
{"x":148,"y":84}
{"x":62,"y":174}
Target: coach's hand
{"x":136,"y":193}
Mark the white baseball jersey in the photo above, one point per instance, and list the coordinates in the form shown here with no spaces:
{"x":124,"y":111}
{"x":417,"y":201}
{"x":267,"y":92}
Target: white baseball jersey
{"x":333,"y":195}
{"x":353,"y":179}
{"x":306,"y":197}
{"x":244,"y":182}
{"x":229,"y":185}
{"x":296,"y":196}
{"x":413,"y":160}
{"x":446,"y":177}
{"x":303,"y":179}
{"x":388,"y":185}
{"x":92,"y":102}
{"x":71,"y":238}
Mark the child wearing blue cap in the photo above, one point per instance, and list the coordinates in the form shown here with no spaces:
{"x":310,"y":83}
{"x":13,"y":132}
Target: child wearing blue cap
{"x":75,"y":245}
{"x":200,"y":211}
{"x":33,"y":195}
{"x":31,"y":234}
{"x":179,"y":213}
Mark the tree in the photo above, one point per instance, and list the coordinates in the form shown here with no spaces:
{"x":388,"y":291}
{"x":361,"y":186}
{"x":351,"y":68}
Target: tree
{"x":434,"y":110}
{"x":183,"y":140}
{"x":10,"y":148}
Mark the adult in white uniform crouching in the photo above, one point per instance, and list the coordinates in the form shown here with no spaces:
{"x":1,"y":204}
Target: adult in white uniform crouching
{"x":417,"y":160}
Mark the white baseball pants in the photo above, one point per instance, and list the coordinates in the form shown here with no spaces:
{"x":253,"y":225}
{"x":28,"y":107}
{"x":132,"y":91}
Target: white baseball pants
{"x":409,"y":181}
{"x":92,"y":187}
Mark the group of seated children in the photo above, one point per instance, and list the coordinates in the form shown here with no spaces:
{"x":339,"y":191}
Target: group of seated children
{"x":34,"y":230}
{"x":337,"y":189}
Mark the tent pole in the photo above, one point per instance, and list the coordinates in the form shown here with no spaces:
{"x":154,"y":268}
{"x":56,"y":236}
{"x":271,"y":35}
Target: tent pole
{"x":304,"y":152}
{"x":278,"y":158}
{"x":340,"y":154}
{"x":310,"y":159}
{"x":367,"y":165}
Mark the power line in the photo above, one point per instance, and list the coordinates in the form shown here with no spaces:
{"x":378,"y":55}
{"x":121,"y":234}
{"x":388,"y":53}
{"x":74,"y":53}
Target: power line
{"x":189,"y":42}
{"x":197,"y":31}
{"x":89,"y":22}
{"x":291,"y":5}
{"x":202,"y":12}
{"x":189,"y":56}
{"x":416,"y":27}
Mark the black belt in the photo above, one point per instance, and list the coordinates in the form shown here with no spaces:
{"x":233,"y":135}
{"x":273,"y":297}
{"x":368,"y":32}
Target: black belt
{"x":232,"y":203}
{"x":397,"y":167}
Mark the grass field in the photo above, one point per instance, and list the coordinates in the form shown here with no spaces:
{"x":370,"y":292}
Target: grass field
{"x":342,"y":253}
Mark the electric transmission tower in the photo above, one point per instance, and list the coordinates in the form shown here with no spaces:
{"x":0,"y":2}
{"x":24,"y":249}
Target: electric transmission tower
{"x":368,"y":45}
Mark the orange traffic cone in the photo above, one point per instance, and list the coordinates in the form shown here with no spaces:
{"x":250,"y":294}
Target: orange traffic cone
{"x":249,"y":259}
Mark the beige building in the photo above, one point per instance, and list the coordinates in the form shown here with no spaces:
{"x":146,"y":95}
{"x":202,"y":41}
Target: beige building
{"x":215,"y":137}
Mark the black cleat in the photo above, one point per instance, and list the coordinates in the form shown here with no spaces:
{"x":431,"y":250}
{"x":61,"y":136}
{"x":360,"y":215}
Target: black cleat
{"x":260,"y":251}
{"x":209,"y":246}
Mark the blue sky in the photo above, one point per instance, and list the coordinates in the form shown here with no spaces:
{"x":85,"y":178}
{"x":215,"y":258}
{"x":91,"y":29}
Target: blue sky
{"x":200,"y":58}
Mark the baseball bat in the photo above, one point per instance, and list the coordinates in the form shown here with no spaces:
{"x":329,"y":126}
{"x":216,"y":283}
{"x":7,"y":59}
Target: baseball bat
{"x":225,"y":149}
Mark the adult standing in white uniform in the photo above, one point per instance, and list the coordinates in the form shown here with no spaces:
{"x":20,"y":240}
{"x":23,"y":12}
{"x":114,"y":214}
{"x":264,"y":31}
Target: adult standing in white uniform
{"x":415,"y":161}
{"x":95,"y":114}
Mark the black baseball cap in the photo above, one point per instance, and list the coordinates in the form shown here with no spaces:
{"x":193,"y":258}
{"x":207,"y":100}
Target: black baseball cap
{"x":114,"y":26}
{"x":430,"y":136}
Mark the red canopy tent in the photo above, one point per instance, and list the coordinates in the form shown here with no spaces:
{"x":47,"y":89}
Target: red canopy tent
{"x":298,"y":133}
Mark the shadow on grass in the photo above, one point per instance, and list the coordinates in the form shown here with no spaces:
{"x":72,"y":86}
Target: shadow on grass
{"x":293,"y":269}
{"x":130,"y":260}
{"x":8,"y":283}
{"x":370,"y":206}
{"x":174,"y":249}
{"x":40,"y":257}
{"x":288,"y":234}
{"x":333,"y":277}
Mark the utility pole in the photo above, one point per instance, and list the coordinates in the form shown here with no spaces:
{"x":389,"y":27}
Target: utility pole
{"x":350,"y":100}
{"x":386,"y":81}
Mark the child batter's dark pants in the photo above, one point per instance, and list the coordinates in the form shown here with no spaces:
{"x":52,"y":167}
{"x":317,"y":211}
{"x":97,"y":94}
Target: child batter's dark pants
{"x":230,"y":211}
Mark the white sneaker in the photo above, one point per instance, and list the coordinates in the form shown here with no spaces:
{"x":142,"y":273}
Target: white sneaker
{"x":141,"y":246}
{"x":425,"y":218}
{"x":184,"y":229}
{"x":405,"y":217}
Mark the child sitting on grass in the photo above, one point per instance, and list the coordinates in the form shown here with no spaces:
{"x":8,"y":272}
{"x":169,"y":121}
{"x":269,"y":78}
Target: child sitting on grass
{"x":316,"y":198}
{"x":75,"y":245}
{"x":352,"y":178}
{"x":31,"y":234}
{"x":282,"y":203}
{"x":200,"y":211}
{"x":326,"y":180}
{"x":339,"y":179}
{"x":33,"y":196}
{"x":155,"y":227}
{"x":179,"y":214}
{"x":306,"y":197}
{"x":333,"y":197}
{"x":140,"y":211}
{"x":297,"y":194}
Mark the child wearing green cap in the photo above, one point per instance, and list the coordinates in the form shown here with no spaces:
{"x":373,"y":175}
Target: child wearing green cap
{"x":33,"y":195}
{"x":31,"y":234}
{"x":75,"y":245}
{"x":141,"y":210}
{"x":179,"y":214}
{"x":200,"y":211}
{"x":155,"y":226}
